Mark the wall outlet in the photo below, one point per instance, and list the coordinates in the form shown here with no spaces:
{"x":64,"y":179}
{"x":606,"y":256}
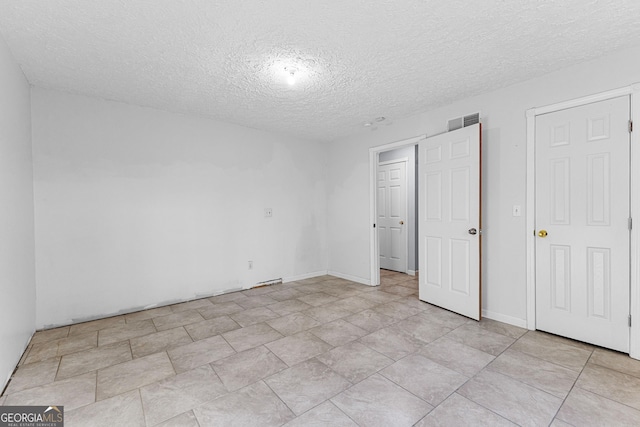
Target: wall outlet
{"x":268,"y":212}
{"x":250,"y":265}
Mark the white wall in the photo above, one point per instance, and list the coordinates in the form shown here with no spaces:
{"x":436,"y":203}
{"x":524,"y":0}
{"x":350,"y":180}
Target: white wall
{"x":17,"y":280}
{"x":409,"y":153}
{"x":136,"y":207}
{"x":504,"y":174}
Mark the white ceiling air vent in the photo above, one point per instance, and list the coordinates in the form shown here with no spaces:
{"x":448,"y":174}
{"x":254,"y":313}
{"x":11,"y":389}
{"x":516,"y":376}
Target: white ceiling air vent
{"x":463,"y":122}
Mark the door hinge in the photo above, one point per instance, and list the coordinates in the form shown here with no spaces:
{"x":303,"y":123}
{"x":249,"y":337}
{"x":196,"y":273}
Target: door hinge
{"x":630,"y":223}
{"x":629,"y":320}
{"x":630,"y":126}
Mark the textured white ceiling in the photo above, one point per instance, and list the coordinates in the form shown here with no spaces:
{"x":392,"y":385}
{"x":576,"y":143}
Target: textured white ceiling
{"x":357,"y":59}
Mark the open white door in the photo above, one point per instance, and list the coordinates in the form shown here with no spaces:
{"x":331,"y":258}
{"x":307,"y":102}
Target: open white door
{"x":392,"y":215}
{"x":449,"y":224}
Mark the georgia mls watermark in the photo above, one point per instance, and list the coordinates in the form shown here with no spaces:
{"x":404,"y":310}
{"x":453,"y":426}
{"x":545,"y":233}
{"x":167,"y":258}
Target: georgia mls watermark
{"x":31,"y":416}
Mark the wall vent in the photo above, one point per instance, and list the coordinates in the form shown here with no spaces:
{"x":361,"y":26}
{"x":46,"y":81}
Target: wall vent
{"x":463,"y":122}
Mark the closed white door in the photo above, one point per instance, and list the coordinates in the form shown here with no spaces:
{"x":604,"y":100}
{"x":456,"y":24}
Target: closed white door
{"x":582,"y":212}
{"x":449,"y":225}
{"x":392,"y":216}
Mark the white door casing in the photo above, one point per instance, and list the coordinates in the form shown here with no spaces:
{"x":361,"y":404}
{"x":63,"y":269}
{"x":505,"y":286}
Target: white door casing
{"x":392,"y":215}
{"x":581,"y":218}
{"x":449,"y":221}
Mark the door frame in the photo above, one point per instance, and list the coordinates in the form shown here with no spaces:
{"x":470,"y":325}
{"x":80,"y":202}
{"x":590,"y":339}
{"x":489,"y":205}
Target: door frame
{"x":404,"y":160}
{"x":633,"y":91}
{"x":374,"y":255}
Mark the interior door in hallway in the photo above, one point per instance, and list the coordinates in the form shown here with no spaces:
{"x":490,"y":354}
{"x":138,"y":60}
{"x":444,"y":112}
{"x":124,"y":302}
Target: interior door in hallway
{"x":449,"y":224}
{"x":582,"y":223}
{"x":392,"y":215}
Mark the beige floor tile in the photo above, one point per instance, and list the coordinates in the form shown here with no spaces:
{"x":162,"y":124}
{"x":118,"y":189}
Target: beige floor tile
{"x":76,"y":343}
{"x":255,"y":301}
{"x":380,"y":296}
{"x":298,"y":348}
{"x":130,"y":375}
{"x":50,"y":335}
{"x":354,"y":304}
{"x":191,"y":305}
{"x":454,"y":355}
{"x":147,"y":314}
{"x":392,"y":342}
{"x":355,"y":361}
{"x":33,"y":375}
{"x":125,"y":332}
{"x":286,"y":294}
{"x":43,"y":351}
{"x":617,"y":361}
{"x":177,"y":394}
{"x":428,"y":380}
{"x":501,"y":328}
{"x":397,"y":310}
{"x":232,"y":296}
{"x":190,"y":356}
{"x":338,"y":332}
{"x":293,"y":323}
{"x":288,"y":306}
{"x":251,"y":336}
{"x":460,"y":411}
{"x":612,"y":384}
{"x":327,"y":313}
{"x":516,"y":401}
{"x":546,"y":347}
{"x":370,"y":320}
{"x":94,"y":359}
{"x":160,"y":341}
{"x":324,"y":415}
{"x":255,"y":405}
{"x":186,"y":419}
{"x":484,"y":340}
{"x":306,"y":385}
{"x":96,"y":325}
{"x":583,"y":408}
{"x":414,"y":302}
{"x":175,"y":320}
{"x":2,"y":400}
{"x":221,"y":309}
{"x":71,"y":393}
{"x":247,"y":367}
{"x":554,"y":379}
{"x":398,"y":290}
{"x":211,"y":327}
{"x":318,"y":299}
{"x":377,"y":401}
{"x":260,"y":290}
{"x":423,"y":329}
{"x":254,"y":315}
{"x":121,"y":410}
{"x":443,"y":317}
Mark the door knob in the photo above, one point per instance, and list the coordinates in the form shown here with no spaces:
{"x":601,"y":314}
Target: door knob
{"x":473,"y":231}
{"x":401,"y":222}
{"x":542,"y":233}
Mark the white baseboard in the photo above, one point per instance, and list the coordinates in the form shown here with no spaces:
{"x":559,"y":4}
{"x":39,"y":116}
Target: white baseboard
{"x":504,"y":318}
{"x":350,"y":277}
{"x":412,"y":272}
{"x":304,"y":276}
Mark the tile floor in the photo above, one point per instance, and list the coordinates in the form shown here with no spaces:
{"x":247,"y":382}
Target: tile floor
{"x":321,"y":352}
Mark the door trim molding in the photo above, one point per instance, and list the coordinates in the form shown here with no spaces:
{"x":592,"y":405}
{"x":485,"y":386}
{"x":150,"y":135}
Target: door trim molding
{"x":374,"y":260}
{"x":634,"y":92}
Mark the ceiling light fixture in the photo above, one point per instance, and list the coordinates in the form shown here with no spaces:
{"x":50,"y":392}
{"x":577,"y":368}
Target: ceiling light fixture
{"x":291,"y":78}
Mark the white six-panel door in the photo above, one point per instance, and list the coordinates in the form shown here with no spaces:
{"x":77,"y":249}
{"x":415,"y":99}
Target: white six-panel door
{"x":582,"y":211}
{"x":449,"y":224}
{"x":392,"y":215}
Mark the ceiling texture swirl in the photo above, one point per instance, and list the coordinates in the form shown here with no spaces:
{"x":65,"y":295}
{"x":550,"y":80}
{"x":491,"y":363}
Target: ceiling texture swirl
{"x":354,"y":60}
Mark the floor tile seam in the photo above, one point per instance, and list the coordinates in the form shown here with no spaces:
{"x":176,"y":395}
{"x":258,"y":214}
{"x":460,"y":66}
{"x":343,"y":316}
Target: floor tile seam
{"x":573,"y":386}
{"x":264,"y":381}
{"x":544,"y":360}
{"x":576,"y":386}
{"x":125,"y":339}
{"x":613,"y":369}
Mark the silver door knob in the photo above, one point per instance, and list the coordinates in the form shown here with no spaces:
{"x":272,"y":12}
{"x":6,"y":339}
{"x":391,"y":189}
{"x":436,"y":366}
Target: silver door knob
{"x":473,"y":231}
